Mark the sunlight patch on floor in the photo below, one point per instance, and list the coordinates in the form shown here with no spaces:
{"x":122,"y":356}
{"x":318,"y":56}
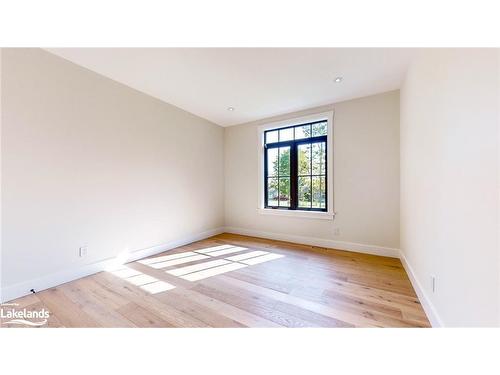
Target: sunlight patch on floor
{"x":204,"y":269}
{"x":237,"y":258}
{"x":147,"y":283}
{"x":197,"y":267}
{"x":235,"y":249}
{"x":175,"y":262}
{"x":141,"y":279}
{"x":195,"y":276}
{"x":157,"y":287}
{"x":262,"y":259}
{"x":213,"y":248}
{"x":164,"y":258}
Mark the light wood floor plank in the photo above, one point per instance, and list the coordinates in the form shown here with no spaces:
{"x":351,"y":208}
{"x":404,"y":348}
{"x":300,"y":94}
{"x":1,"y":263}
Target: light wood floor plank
{"x":69,"y":313}
{"x":102,"y":313}
{"x":244,"y":317}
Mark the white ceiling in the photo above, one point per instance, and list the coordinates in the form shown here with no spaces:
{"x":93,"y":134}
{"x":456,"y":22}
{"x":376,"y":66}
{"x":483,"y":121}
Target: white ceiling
{"x":257,"y":82}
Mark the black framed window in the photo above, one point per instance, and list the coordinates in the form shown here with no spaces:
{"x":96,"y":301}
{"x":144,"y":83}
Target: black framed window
{"x":295,"y":167}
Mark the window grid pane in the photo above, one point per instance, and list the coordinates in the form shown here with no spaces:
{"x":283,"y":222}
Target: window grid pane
{"x":272,"y":162}
{"x":272,"y":136}
{"x":319,"y":129}
{"x":286,"y":134}
{"x":304,"y":192}
{"x":318,"y":158}
{"x":284,"y":161}
{"x":272,"y":191}
{"x":318,"y":196}
{"x":304,"y":151}
{"x":284,"y":192}
{"x":302,"y":131}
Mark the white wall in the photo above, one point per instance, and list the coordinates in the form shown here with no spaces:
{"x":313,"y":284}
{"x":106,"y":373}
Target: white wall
{"x":449,"y":182}
{"x":86,"y":160}
{"x":366,"y":178}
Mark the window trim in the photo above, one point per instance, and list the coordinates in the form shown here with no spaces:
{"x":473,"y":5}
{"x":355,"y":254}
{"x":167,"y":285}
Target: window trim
{"x":303,"y":213}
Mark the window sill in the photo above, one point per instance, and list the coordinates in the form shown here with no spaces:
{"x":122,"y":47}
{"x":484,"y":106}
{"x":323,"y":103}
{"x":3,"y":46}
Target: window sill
{"x":297,"y":214}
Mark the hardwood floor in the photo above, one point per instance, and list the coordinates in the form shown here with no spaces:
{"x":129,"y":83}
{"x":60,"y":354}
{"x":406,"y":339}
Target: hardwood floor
{"x":239,"y":281}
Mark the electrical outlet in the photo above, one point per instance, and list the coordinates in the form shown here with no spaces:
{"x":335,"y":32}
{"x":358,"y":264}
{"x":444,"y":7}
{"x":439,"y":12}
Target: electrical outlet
{"x":336,"y":231}
{"x":433,"y":283}
{"x":83,"y":251}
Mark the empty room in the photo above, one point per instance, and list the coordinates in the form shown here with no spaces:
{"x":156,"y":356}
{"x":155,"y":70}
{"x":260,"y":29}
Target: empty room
{"x":168,"y":187}
{"x":264,"y":187}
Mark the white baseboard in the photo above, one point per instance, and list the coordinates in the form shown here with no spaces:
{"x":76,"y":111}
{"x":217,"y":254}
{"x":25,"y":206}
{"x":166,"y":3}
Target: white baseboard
{"x":21,"y":289}
{"x":323,"y":242}
{"x":426,"y":303}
